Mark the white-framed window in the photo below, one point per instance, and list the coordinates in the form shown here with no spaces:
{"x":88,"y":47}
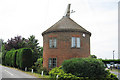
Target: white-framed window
{"x":75,"y":42}
{"x":52,"y":62}
{"x":52,"y":42}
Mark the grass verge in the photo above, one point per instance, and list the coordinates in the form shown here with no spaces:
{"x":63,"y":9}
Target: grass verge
{"x":115,"y":70}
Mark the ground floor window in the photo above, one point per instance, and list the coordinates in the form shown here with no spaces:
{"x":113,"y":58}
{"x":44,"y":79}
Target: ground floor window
{"x":52,"y":62}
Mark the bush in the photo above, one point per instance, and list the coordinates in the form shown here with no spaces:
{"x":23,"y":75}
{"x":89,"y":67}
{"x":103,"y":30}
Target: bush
{"x":38,"y":67}
{"x":10,"y":58}
{"x":24,"y":58}
{"x":18,"y":58}
{"x":84,"y":67}
{"x":62,"y":75}
{"x":111,"y":76}
{"x":68,"y":76}
{"x":108,"y":61}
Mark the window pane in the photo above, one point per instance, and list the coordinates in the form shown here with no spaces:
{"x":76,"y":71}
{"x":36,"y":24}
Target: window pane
{"x":78,"y":42}
{"x":54,"y":42}
{"x":54,"y":65}
{"x":73,"y":42}
{"x":54,"y":62}
{"x":50,"y":63}
{"x":50,"y":43}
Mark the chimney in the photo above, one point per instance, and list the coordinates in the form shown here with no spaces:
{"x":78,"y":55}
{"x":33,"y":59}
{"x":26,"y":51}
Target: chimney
{"x":67,"y":14}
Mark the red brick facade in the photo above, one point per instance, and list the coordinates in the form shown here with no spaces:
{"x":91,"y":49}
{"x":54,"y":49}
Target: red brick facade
{"x":63,"y":51}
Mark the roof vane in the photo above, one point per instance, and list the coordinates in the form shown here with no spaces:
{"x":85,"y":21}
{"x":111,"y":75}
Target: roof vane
{"x":68,"y":11}
{"x":72,"y":11}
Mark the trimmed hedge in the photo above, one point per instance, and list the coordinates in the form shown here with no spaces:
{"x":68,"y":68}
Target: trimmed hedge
{"x":84,"y":67}
{"x":20,"y":58}
{"x":107,"y":61}
{"x":10,"y":58}
{"x":24,"y":58}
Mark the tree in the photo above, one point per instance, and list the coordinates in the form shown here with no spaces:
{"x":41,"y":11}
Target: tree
{"x":16,"y":43}
{"x":20,"y":42}
{"x":34,"y":45}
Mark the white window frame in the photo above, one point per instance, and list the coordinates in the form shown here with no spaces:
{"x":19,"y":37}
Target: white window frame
{"x":51,"y":62}
{"x":52,"y":42}
{"x":75,"y":42}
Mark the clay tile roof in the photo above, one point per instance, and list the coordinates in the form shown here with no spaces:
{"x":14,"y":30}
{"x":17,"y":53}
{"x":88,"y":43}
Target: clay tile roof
{"x":66,"y":24}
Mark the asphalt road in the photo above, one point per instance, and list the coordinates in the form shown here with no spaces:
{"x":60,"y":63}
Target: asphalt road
{"x":12,"y":74}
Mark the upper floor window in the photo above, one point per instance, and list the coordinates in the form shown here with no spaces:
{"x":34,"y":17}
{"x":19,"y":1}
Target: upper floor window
{"x":52,"y":42}
{"x":75,"y":43}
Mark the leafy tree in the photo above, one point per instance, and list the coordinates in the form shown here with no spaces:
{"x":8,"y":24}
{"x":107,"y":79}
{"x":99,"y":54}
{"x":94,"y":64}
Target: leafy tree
{"x":16,"y":43}
{"x":34,"y":45}
{"x":19,"y":42}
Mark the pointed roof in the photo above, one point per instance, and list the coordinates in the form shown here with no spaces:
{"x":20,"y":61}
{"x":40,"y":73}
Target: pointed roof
{"x":66,"y":24}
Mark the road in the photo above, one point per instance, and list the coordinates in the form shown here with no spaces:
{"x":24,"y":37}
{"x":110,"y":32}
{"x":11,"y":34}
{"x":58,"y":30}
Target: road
{"x":12,"y":74}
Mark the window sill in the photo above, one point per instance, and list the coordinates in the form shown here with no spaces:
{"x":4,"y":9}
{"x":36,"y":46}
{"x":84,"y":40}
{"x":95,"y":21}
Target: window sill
{"x":53,"y":48}
{"x":75,"y":48}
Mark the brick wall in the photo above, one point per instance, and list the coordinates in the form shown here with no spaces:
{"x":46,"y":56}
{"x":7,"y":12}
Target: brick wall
{"x":64,"y":50}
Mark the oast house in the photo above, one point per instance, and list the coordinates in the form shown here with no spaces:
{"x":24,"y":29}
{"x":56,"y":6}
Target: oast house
{"x":64,"y":40}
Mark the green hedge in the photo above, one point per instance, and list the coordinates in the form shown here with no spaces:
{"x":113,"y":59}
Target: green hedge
{"x":107,"y":61}
{"x":84,"y":67}
{"x":10,"y":58}
{"x":69,"y":76}
{"x":19,"y":58}
{"x":24,"y":58}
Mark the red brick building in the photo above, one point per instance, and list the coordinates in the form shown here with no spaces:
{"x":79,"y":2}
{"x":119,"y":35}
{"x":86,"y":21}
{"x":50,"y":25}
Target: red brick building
{"x":64,"y":40}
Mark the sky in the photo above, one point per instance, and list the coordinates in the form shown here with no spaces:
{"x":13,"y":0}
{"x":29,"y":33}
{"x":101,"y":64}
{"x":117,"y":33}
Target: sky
{"x":32,"y":17}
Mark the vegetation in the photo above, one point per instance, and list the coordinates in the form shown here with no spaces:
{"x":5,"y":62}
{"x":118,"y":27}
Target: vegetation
{"x":38,"y":67}
{"x":24,"y":58}
{"x":58,"y":71}
{"x":93,"y":56}
{"x":15,"y":43}
{"x":107,"y":61}
{"x":20,"y":52}
{"x":19,"y":58}
{"x":86,"y":67}
{"x":19,"y":42}
{"x":33,"y":44}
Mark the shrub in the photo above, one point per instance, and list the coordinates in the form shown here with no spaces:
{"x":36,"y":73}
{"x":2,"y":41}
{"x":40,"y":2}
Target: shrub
{"x":13,"y":61}
{"x":24,"y":58}
{"x":9,"y":58}
{"x":107,"y":61}
{"x":62,"y":75}
{"x":110,"y":76}
{"x":38,"y":67}
{"x":84,"y":67}
{"x":68,"y":76}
